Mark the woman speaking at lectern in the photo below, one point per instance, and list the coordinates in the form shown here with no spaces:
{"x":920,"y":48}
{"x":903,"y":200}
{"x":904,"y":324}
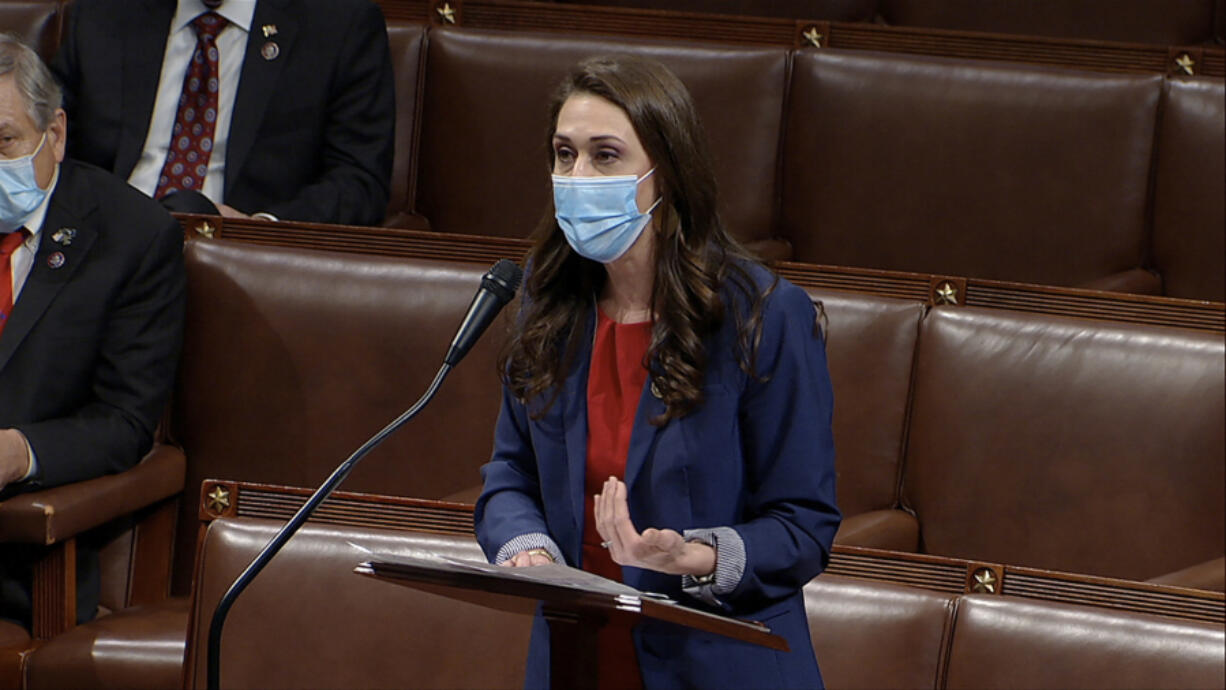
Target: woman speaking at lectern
{"x":666,"y":405}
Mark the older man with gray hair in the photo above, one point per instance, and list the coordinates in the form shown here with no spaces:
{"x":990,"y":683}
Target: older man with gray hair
{"x":91,"y":314}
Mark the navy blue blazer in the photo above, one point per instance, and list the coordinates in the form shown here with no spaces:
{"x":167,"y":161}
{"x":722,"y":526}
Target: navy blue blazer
{"x":757,"y":455}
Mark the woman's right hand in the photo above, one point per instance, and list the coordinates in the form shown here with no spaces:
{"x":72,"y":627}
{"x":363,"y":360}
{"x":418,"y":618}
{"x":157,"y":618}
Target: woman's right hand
{"x":527,"y":558}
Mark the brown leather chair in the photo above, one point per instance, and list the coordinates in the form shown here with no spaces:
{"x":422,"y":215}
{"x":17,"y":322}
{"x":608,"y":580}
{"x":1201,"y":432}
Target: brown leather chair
{"x":1189,"y":206}
{"x":321,"y":350}
{"x":484,"y":162}
{"x":1067,"y":444}
{"x":976,"y":169}
{"x":870,"y":348}
{"x":407,"y":42}
{"x":1005,"y":642}
{"x":308,"y":621}
{"x":37,"y":22}
{"x":876,"y":635}
{"x":130,"y":515}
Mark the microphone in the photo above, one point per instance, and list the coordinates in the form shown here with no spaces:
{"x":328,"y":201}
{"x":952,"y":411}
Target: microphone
{"x":498,"y":287}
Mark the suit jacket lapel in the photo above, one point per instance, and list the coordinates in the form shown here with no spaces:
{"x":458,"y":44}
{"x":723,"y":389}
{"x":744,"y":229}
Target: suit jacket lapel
{"x":643,"y":436}
{"x":259,"y":77}
{"x":45,"y":282}
{"x":143,"y":49}
{"x":573,"y":400}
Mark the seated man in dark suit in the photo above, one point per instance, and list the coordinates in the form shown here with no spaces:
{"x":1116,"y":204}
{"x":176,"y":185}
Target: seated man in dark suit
{"x":91,"y":314}
{"x":278,"y":108}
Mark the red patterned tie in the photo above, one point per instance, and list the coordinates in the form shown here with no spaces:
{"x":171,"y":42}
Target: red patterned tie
{"x":8,"y":244}
{"x":191,"y":141}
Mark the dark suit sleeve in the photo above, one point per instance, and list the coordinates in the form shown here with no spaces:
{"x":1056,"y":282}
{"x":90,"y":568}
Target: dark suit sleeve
{"x":135,"y":370}
{"x":789,"y":455}
{"x":352,"y":187}
{"x":510,"y":504}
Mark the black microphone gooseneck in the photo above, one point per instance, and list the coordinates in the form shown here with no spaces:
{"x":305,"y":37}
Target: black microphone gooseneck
{"x":498,"y":287}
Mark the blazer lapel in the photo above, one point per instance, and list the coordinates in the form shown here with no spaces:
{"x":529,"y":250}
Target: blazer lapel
{"x":45,"y":281}
{"x":574,"y":420}
{"x":259,"y":77}
{"x":143,"y":49}
{"x":643,"y":436}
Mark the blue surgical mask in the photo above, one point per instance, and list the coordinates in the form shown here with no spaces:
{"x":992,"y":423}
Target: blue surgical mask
{"x":20,"y":194}
{"x":600,"y":215}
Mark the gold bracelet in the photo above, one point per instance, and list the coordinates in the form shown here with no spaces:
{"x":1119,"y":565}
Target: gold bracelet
{"x":541,"y":552}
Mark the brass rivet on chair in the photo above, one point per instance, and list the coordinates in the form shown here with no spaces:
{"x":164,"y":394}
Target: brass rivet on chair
{"x":447,"y":12}
{"x":1186,"y":63}
{"x":813,"y":37}
{"x":984,"y":581}
{"x":219,"y":499}
{"x":205,"y":229}
{"x":947,"y":293}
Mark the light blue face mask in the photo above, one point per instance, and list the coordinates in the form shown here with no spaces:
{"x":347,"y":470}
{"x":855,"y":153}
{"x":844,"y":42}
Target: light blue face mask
{"x":20,"y":194}
{"x":600,"y":215}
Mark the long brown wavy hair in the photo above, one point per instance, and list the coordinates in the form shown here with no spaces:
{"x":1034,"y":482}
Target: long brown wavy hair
{"x":695,"y":257}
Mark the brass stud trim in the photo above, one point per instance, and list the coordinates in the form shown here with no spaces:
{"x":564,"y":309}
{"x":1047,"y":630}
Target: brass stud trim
{"x":1186,"y":64}
{"x":813,"y":37}
{"x":984,"y":581}
{"x":219,"y":499}
{"x":447,"y":12}
{"x":205,"y":229}
{"x":946,"y":293}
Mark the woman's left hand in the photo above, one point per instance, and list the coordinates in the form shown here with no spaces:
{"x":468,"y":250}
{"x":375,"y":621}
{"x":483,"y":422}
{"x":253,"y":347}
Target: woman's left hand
{"x":662,"y":550}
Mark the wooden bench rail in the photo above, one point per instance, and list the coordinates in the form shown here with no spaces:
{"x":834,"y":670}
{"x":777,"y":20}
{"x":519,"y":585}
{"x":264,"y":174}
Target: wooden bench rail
{"x":223,"y":498}
{"x":935,"y":289}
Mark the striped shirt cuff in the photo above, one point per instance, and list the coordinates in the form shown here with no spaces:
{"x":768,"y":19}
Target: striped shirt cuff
{"x":729,"y":564}
{"x":532,"y":540}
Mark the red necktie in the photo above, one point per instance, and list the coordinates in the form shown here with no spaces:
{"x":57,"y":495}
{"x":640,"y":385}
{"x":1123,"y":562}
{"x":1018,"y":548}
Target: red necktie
{"x":191,"y":140}
{"x":8,"y":244}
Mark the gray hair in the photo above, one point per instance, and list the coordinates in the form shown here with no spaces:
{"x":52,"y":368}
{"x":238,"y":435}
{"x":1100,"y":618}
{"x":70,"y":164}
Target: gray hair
{"x":33,"y":79}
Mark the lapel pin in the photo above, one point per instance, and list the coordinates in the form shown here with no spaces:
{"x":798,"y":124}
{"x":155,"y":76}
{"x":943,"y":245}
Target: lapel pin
{"x":269,"y":30}
{"x":56,"y":260}
{"x":270,"y":50}
{"x":64,"y":236}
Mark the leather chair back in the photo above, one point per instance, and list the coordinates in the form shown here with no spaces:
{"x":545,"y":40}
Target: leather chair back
{"x":1005,"y":642}
{"x":484,"y":164}
{"x":1070,"y":445}
{"x":293,"y":358}
{"x":870,"y":346}
{"x":309,"y":622}
{"x":872,"y":635}
{"x":967,"y":168}
{"x":37,"y":22}
{"x":407,"y":42}
{"x":1189,"y":202}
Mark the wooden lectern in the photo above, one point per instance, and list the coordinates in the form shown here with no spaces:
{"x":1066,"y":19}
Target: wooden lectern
{"x":575,"y":611}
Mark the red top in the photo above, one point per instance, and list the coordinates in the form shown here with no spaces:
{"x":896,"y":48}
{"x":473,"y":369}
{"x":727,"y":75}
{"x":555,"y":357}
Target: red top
{"x":614,"y":386}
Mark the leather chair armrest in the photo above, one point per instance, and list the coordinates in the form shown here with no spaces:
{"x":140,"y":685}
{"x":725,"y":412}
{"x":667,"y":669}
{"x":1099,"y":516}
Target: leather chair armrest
{"x":53,"y":515}
{"x":892,"y":529}
{"x":1137,"y":281}
{"x":1209,"y":575}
